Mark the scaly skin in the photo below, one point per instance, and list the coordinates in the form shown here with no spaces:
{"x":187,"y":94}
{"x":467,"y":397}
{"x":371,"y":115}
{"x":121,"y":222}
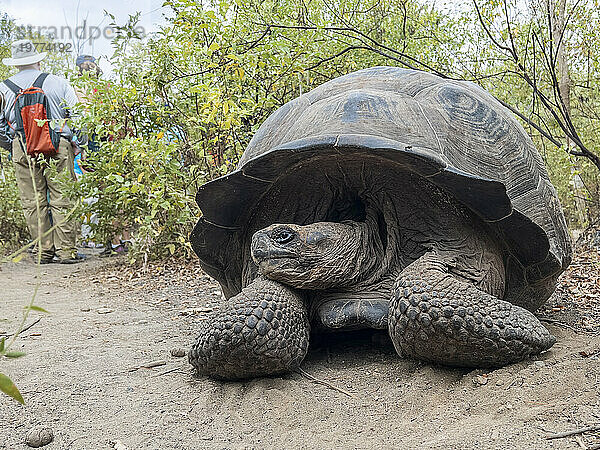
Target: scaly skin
{"x":444,"y":306}
{"x":435,"y":317}
{"x":264,"y":330}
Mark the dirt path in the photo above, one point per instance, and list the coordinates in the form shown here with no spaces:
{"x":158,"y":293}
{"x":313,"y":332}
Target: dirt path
{"x":77,"y":378}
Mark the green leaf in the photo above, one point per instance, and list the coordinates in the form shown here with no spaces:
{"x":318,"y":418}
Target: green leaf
{"x":36,"y":308}
{"x":9,"y":388}
{"x":19,"y":257}
{"x":14,"y":354}
{"x":171,"y":248}
{"x":2,"y":344}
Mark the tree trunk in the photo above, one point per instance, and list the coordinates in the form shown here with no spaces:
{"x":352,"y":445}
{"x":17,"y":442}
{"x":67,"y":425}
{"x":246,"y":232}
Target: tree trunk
{"x":564,"y":88}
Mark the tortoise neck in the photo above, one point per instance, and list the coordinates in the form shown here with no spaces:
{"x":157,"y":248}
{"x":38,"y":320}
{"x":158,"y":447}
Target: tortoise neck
{"x":368,"y":242}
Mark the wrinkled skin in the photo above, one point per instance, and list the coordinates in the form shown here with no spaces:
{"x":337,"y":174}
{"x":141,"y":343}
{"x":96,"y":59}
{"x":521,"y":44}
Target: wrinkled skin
{"x":444,"y":306}
{"x":317,"y":256}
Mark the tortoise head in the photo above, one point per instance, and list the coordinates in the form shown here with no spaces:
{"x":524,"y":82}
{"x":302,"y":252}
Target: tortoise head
{"x":316,"y":256}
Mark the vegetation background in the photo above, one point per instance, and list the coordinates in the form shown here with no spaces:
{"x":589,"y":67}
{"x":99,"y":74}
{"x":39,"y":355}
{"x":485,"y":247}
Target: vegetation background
{"x":181,"y":104}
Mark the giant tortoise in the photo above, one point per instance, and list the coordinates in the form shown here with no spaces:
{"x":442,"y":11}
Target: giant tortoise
{"x":388,"y":199}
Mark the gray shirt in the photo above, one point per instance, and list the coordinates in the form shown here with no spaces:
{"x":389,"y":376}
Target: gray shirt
{"x":60,"y":94}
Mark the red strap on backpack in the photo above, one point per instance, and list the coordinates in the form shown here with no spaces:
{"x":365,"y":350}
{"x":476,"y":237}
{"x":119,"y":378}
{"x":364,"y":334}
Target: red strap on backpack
{"x":32,"y":119}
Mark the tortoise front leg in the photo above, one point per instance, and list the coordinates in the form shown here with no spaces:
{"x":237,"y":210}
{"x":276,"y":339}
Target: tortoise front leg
{"x":435,"y":317}
{"x":263,"y":330}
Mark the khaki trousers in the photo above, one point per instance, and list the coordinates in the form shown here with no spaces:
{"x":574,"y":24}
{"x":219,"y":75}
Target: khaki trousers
{"x":53,"y":205}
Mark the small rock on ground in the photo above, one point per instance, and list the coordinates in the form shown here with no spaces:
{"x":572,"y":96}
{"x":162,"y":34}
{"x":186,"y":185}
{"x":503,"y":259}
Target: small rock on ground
{"x":39,"y":436}
{"x":178,"y":352}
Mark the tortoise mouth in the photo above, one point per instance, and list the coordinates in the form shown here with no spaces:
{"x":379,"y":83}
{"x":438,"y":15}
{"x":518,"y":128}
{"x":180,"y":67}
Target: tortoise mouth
{"x":272,"y":265}
{"x":269,"y":257}
{"x":263,"y":255}
{"x":279,"y":268}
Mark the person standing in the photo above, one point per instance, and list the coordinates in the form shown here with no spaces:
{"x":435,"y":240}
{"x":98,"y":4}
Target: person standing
{"x":29,"y":95}
{"x":119,"y":242}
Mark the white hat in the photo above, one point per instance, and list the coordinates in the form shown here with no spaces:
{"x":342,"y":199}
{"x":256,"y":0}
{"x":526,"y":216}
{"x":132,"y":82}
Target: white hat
{"x":23,"y":53}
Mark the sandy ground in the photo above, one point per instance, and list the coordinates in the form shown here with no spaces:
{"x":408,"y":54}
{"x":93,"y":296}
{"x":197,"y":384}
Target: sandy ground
{"x":82,"y":377}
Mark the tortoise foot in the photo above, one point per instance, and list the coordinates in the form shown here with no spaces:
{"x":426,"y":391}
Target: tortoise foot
{"x":264,"y":330}
{"x":435,"y":317}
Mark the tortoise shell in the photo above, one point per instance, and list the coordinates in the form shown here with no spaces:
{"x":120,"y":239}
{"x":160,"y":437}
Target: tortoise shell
{"x":452,"y":133}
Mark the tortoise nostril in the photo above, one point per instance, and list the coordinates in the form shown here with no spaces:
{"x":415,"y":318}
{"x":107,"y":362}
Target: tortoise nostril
{"x":260,"y":247}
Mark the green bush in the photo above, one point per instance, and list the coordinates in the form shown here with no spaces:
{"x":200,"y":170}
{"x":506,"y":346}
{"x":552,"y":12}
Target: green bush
{"x":13,"y":229}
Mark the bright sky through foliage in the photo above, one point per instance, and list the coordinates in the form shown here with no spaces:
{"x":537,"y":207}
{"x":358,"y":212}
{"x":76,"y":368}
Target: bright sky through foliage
{"x":72,"y":13}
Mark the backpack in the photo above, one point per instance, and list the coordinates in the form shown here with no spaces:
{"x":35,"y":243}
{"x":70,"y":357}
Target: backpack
{"x":31,"y":106}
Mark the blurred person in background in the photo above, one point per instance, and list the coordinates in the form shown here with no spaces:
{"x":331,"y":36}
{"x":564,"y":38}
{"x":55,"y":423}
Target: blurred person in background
{"x":33,"y":124}
{"x":87,"y":65}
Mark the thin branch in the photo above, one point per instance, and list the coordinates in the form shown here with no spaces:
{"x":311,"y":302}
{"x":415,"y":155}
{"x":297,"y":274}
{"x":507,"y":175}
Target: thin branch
{"x":337,"y":55}
{"x":573,"y":432}
{"x":324,"y":383}
{"x":509,"y":31}
{"x":386,"y":51}
{"x":22,"y":330}
{"x":487,"y":31}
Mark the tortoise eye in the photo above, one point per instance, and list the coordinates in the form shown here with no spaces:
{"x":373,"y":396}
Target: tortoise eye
{"x":283,"y":235}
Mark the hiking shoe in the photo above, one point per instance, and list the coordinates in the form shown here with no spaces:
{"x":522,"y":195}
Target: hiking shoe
{"x":108,"y":251}
{"x":120,"y":249}
{"x":47,"y":260}
{"x":112,"y":250}
{"x":76,"y":258}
